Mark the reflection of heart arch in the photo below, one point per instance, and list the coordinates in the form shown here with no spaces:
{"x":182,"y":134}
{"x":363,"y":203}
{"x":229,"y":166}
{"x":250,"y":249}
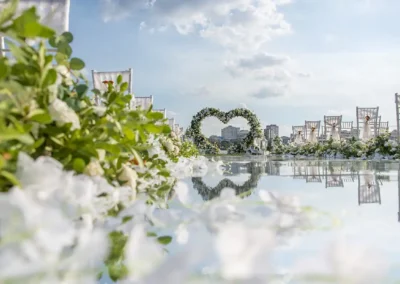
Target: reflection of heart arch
{"x":202,"y":142}
{"x":208,"y":192}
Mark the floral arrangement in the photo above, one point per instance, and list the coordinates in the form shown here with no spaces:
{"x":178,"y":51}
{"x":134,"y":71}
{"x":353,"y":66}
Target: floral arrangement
{"x":378,"y":147}
{"x":277,"y":146}
{"x":202,"y":142}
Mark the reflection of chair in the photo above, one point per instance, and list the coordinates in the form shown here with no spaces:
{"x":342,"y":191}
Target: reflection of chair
{"x":299,"y":170}
{"x":333,"y":178}
{"x":369,"y":191}
{"x":348,"y":178}
{"x":272,"y":168}
{"x":313,"y":173}
{"x":373,"y":113}
{"x":398,"y":192}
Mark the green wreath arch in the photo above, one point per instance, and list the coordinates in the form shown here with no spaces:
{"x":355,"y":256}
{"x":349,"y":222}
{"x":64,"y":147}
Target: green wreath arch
{"x":202,"y":142}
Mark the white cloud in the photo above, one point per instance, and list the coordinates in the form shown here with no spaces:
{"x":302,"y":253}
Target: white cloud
{"x":270,"y":92}
{"x":243,"y":105}
{"x":200,"y":91}
{"x":261,"y":66}
{"x":330,"y":38}
{"x":171,"y":113}
{"x":235,"y":24}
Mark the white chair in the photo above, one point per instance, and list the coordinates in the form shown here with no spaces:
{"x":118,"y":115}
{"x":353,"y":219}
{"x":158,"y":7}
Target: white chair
{"x":329,"y":121}
{"x":383,"y":127}
{"x":309,"y":125}
{"x":397,"y":101}
{"x":100,"y":77}
{"x":373,"y":114}
{"x":296,"y":130}
{"x":347,"y":130}
{"x":143,"y":102}
{"x":52,"y":13}
{"x":171,"y":123}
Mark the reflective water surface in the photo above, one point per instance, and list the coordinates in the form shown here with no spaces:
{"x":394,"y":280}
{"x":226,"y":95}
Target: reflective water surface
{"x":363,"y":198}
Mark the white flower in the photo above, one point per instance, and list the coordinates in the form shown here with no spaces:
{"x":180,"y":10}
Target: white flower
{"x":176,"y":150}
{"x":99,"y":110}
{"x":63,"y":74}
{"x":94,"y":168}
{"x":142,"y":254}
{"x":129,"y":176}
{"x":62,"y":114}
{"x":169,"y":145}
{"x":102,"y":154}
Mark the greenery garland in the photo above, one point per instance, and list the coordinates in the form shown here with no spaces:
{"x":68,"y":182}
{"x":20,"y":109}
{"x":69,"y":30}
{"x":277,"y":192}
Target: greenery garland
{"x":202,"y":142}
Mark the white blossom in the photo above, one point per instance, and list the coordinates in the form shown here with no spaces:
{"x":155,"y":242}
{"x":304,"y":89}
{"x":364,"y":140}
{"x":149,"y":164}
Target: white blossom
{"x":62,"y":114}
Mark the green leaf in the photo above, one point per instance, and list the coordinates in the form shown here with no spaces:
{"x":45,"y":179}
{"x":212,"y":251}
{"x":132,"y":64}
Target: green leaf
{"x":14,"y":135}
{"x":64,"y":48}
{"x":124,"y":87}
{"x":76,"y":64}
{"x":164,"y":240}
{"x":61,"y":58}
{"x":111,"y":148}
{"x":129,"y":133}
{"x":155,"y":115}
{"x":50,"y":79}
{"x":67,"y":37}
{"x":57,"y":141}
{"x":119,"y":79}
{"x":27,"y":25}
{"x":8,"y":12}
{"x":38,"y":143}
{"x":152,"y":128}
{"x":10,"y":177}
{"x":41,"y":116}
{"x":151,"y":234}
{"x":5,"y":69}
{"x":81,"y":90}
{"x":53,"y":41}
{"x":79,"y":165}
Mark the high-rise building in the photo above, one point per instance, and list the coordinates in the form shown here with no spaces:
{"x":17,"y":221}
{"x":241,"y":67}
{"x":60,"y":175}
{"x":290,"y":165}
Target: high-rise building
{"x":271,"y":131}
{"x":230,"y":132}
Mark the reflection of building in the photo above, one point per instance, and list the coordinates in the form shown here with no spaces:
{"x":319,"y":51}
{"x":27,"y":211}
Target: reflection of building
{"x":271,"y":131}
{"x":230,"y":132}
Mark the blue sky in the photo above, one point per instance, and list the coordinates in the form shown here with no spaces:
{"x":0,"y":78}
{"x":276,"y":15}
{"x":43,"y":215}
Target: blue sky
{"x":288,"y":61}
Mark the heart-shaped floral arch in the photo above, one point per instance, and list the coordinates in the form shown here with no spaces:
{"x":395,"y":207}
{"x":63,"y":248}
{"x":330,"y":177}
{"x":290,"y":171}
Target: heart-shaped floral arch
{"x":202,"y":142}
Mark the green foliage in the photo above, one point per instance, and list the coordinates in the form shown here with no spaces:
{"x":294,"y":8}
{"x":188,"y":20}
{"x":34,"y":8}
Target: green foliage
{"x":45,"y":111}
{"x":352,"y":148}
